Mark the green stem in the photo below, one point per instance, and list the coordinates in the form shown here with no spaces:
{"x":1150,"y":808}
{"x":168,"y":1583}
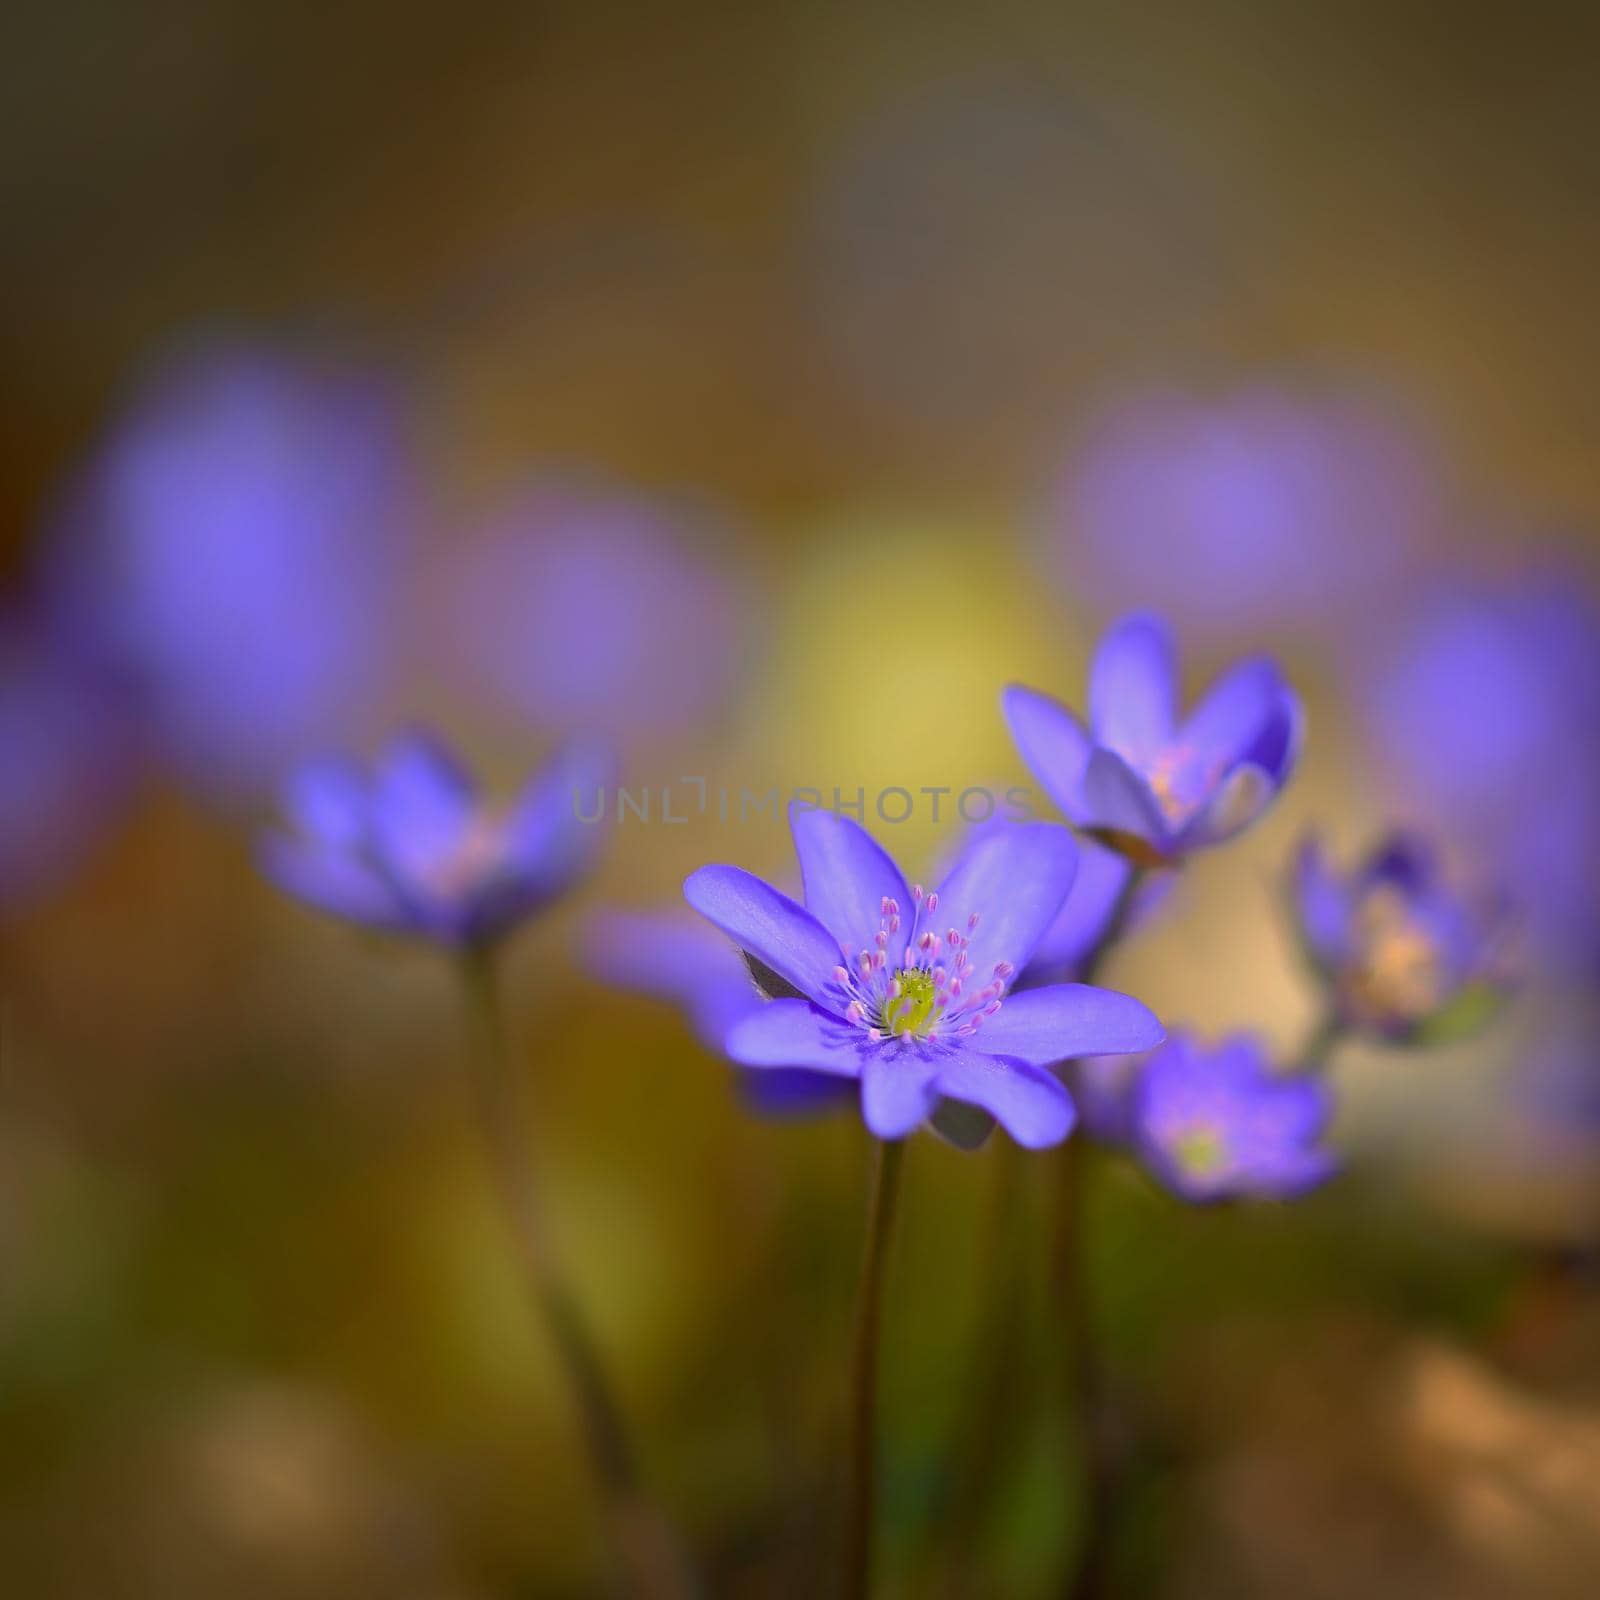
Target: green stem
{"x":975,"y":1460}
{"x":1084,"y":1380}
{"x":651,"y":1565}
{"x":861,"y":1495}
{"x":1325,"y":1033}
{"x":1083,"y":1385}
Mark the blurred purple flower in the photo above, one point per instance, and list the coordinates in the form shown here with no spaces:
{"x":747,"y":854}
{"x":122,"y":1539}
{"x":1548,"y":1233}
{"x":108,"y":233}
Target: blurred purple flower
{"x":1262,"y":509}
{"x":67,"y":758}
{"x":1484,"y":716}
{"x":908,"y":992}
{"x":415,"y":848}
{"x":1404,"y":955}
{"x":235,"y":547}
{"x":1137,"y":778}
{"x":1218,"y":1124}
{"x":674,"y":955}
{"x":590,"y":609}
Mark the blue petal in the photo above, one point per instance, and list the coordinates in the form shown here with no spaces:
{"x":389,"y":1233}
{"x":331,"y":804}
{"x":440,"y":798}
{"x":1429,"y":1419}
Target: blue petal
{"x":336,"y":882}
{"x":1043,"y":1026}
{"x":423,"y":805}
{"x":1406,"y":860}
{"x":1030,"y":1103}
{"x":1133,"y":688}
{"x":549,"y":846}
{"x":1323,"y":903}
{"x":1052,"y":742}
{"x":665,"y":953}
{"x":779,"y":933}
{"x":1235,"y":714}
{"x":1236,"y":802}
{"x":328,"y":801}
{"x":847,"y":876}
{"x":674,"y":956}
{"x":1278,"y":748}
{"x":795,"y":1033}
{"x":1084,"y":918}
{"x":897,"y":1090}
{"x":1117,"y":798}
{"x":1015,"y":878}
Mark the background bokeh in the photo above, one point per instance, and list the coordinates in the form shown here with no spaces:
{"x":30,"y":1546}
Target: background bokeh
{"x":765,"y":388}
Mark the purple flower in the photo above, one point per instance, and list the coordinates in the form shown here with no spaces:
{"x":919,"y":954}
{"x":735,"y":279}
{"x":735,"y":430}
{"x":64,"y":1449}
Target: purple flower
{"x":1087,"y":915}
{"x":414,"y":848}
{"x":66,"y":758}
{"x":675,"y":956}
{"x":585,"y":608}
{"x":234,"y":547}
{"x":909,"y":992}
{"x":1403,"y":953}
{"x":1140,"y":779}
{"x":1218,"y":1124}
{"x":1281,"y":507}
{"x":1484,"y":714}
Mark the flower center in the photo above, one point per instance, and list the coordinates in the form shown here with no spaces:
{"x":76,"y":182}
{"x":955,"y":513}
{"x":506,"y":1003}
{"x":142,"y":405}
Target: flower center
{"x":1200,"y":1151}
{"x":1399,"y":971}
{"x":914,"y":1003}
{"x":931,"y":991}
{"x":474,"y":857}
{"x":1178,"y":782}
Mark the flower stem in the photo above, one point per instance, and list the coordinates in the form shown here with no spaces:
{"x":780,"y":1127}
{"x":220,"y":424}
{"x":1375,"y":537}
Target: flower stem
{"x":1084,"y":1381}
{"x":975,"y":1462}
{"x":1325,"y":1033}
{"x":646,"y":1551}
{"x":864,"y":1374}
{"x":1083,"y":1385}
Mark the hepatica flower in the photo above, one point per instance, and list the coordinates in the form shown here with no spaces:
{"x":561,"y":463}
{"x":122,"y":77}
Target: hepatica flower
{"x":1489,"y":698}
{"x":236,"y":545}
{"x":910,"y":992}
{"x":675,"y":956}
{"x":1404,"y":954}
{"x":588,"y":607}
{"x":1285,"y":506}
{"x":1139,"y":777}
{"x":413,"y":847}
{"x":1218,"y":1124}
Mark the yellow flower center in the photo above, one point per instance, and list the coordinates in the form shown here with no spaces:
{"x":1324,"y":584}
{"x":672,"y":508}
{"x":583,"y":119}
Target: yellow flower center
{"x":1399,"y":971}
{"x":916,"y":1007}
{"x":1200,"y":1151}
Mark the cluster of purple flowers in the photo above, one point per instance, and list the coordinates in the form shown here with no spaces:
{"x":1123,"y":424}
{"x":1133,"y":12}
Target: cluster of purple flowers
{"x":235,"y":580}
{"x":969,"y":995}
